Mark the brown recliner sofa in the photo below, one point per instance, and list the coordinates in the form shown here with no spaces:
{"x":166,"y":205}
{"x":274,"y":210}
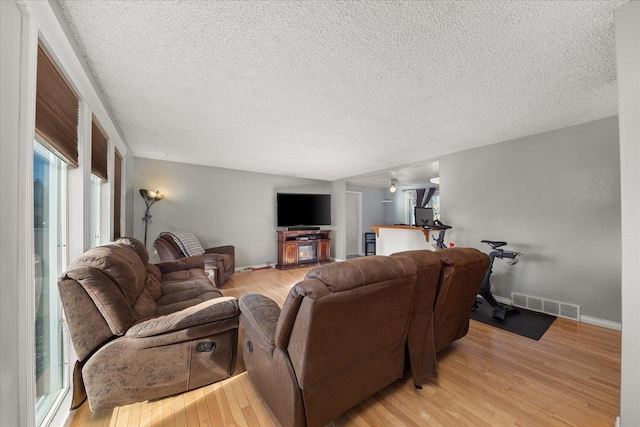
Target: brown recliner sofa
{"x":461,"y":277}
{"x":144,"y":331}
{"x":448,"y":282}
{"x":219,"y":263}
{"x":339,"y":338}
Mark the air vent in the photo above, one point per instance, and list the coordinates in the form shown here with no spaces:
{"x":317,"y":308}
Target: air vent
{"x":551,"y":307}
{"x":534,"y":304}
{"x":519,"y":300}
{"x":569,"y":310}
{"x":556,"y":308}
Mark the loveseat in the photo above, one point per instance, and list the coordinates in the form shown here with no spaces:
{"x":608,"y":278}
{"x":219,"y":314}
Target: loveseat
{"x":219,"y":262}
{"x":347,"y":329}
{"x":339,"y":338}
{"x":143,"y":331}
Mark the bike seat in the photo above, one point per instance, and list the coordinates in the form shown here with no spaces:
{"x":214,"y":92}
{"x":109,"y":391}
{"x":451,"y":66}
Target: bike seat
{"x":494,"y":244}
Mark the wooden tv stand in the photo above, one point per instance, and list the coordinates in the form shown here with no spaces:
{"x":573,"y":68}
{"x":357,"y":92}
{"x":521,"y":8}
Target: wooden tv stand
{"x":303,"y":247}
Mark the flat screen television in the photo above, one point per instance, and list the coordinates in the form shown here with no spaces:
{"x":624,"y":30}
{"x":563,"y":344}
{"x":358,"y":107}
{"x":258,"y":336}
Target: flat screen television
{"x":299,"y":210}
{"x":424,"y":217}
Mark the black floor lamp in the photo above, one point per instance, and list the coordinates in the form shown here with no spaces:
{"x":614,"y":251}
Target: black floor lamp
{"x":150,"y":197}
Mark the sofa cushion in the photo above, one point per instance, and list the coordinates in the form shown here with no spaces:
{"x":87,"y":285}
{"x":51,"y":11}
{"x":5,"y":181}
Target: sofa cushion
{"x":184,"y":288}
{"x":145,"y":306}
{"x":152,"y":284}
{"x":121,"y":264}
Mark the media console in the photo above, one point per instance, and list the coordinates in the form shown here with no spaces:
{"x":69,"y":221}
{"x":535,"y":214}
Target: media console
{"x":302,"y":247}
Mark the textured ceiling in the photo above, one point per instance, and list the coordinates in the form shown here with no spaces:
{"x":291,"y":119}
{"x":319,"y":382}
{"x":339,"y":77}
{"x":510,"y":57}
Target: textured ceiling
{"x":335,"y":89}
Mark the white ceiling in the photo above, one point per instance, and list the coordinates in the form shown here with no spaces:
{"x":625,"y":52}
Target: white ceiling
{"x":335,"y":89}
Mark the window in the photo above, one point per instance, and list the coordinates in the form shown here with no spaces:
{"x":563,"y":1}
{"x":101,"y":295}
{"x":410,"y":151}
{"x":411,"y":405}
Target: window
{"x":410,"y":204}
{"x":99,"y":154}
{"x":117,"y":196}
{"x":435,"y":204}
{"x":95,"y":210}
{"x":57,"y":127}
{"x":50,"y":231}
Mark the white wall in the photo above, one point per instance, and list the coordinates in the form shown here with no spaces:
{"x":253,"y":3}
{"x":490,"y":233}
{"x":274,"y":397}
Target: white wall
{"x":10,"y":380}
{"x":554,"y":197}
{"x":220,"y":206}
{"x":627,"y":20}
{"x":130,"y":194}
{"x":339,"y":219}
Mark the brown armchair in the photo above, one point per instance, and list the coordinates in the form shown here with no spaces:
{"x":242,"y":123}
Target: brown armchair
{"x":219,"y":263}
{"x":144,"y":331}
{"x":339,"y":338}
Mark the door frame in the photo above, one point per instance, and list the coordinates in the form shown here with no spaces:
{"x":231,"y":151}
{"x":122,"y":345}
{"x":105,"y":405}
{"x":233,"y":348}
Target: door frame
{"x":360,"y":240}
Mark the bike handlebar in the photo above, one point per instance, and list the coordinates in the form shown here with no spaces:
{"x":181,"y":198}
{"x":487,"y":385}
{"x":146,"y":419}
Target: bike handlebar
{"x":440,"y":226}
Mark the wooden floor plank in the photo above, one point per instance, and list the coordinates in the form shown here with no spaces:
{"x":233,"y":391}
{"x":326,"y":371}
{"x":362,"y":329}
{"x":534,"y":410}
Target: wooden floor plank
{"x":191,"y":410}
{"x":570,"y":377}
{"x":223,"y":405}
{"x":234,"y":405}
{"x":212,"y":406}
{"x":258,"y":405}
{"x":180,"y":413}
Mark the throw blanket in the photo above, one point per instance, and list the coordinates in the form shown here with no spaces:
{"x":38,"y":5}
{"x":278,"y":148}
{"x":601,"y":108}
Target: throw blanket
{"x":187,"y":242}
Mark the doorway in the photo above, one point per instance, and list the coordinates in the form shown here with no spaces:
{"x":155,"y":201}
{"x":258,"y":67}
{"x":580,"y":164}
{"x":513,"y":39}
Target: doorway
{"x":354,"y":224}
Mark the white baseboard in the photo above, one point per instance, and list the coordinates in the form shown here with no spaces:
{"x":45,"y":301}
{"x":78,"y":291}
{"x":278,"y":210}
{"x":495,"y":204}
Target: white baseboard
{"x":601,"y":322}
{"x":254,"y":267}
{"x":503,"y":300}
{"x":583,"y":319}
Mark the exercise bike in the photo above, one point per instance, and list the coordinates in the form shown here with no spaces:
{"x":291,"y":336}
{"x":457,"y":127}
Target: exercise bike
{"x":500,"y":310}
{"x":442,"y":230}
{"x":438,"y":226}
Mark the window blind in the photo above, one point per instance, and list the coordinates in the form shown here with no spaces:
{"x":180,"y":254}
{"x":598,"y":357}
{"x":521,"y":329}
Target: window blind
{"x":99,"y":150}
{"x":56,"y":109}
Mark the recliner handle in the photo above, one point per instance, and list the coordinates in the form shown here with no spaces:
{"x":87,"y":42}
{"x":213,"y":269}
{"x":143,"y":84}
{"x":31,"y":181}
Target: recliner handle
{"x":206,"y":347}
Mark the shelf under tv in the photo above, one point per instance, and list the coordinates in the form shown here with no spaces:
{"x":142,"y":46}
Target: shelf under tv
{"x":303,"y":247}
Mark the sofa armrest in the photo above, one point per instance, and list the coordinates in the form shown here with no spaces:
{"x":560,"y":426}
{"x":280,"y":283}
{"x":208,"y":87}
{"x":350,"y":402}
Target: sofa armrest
{"x":200,"y":314}
{"x":213,"y":268}
{"x":181,"y":264}
{"x":213,"y":257}
{"x":262,"y":314}
{"x":227,"y":250}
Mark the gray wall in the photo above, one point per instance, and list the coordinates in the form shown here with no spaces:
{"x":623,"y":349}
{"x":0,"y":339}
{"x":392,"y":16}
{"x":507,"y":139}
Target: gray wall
{"x":554,"y":197}
{"x":373,"y":210}
{"x":395,"y":211}
{"x":220,"y":206}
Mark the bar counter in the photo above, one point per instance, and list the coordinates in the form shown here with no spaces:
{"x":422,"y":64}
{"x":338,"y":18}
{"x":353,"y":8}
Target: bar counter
{"x":397,"y":238}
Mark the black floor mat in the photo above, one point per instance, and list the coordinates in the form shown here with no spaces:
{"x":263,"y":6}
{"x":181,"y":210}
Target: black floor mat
{"x":527,"y":323}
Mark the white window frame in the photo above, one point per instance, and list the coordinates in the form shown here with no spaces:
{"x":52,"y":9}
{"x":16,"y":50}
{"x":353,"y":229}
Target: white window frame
{"x":40,"y":22}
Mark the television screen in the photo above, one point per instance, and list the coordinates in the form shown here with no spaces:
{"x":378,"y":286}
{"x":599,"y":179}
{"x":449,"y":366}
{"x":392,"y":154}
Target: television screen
{"x":295,"y":210}
{"x":424,"y":217}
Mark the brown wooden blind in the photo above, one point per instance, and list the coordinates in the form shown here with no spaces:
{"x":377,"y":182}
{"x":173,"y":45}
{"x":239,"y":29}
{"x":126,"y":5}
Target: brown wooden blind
{"x":56,"y":109}
{"x":99,"y":150}
{"x":117,"y":196}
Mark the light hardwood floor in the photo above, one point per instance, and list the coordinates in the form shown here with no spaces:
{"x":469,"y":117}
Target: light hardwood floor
{"x":571,"y":377}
